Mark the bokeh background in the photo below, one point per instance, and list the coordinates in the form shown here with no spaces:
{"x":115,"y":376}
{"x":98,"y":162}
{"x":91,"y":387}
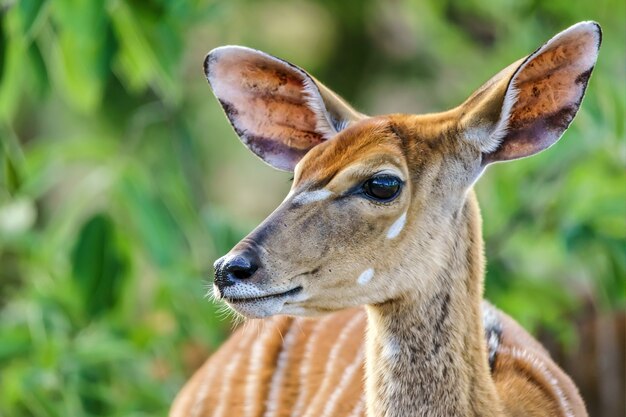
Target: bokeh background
{"x":121,"y":181}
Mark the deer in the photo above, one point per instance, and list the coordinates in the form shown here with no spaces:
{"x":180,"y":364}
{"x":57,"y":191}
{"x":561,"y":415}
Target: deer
{"x":364,"y":288}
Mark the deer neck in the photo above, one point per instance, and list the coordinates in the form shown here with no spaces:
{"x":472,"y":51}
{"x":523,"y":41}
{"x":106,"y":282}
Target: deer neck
{"x":426,"y":354}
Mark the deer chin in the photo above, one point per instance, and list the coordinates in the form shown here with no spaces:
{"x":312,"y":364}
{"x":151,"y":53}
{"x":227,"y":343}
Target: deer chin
{"x":254,"y":302}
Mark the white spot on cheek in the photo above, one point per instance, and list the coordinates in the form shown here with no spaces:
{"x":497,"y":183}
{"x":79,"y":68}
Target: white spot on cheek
{"x":366,"y":276}
{"x":312,"y":196}
{"x":396,"y":227}
{"x":391,"y":348}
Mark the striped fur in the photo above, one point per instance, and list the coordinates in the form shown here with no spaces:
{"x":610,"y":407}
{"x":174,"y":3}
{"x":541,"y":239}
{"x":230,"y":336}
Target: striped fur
{"x":432,"y":346}
{"x":297,"y":379}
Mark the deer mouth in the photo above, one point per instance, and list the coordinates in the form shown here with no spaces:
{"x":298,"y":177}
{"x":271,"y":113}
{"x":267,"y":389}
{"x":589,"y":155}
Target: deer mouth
{"x":261,"y":298}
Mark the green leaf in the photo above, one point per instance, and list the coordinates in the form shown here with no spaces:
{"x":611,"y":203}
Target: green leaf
{"x":142,"y":60}
{"x":98,"y":265}
{"x":3,"y":43}
{"x":81,"y":54}
{"x":11,"y":175}
{"x":40,"y":81}
{"x":160,"y":234}
{"x":15,"y":342}
{"x":29,"y":11}
{"x":12,"y":75}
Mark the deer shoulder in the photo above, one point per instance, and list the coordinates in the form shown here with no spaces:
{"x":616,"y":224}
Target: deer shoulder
{"x":292,"y":366}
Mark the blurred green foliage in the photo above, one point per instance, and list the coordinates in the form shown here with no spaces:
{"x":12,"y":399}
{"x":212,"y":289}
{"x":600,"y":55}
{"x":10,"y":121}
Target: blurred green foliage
{"x":121,"y":181}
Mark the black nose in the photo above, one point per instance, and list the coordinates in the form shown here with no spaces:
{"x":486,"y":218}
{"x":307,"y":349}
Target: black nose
{"x":234,"y":268}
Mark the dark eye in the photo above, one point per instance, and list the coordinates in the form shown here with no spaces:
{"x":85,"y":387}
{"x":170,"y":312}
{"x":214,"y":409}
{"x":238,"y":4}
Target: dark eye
{"x":382,"y":188}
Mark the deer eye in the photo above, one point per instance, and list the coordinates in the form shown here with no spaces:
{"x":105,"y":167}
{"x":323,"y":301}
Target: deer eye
{"x":382,"y":188}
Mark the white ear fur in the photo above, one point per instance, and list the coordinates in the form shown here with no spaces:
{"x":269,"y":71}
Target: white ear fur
{"x":324,"y":124}
{"x":493,"y":139}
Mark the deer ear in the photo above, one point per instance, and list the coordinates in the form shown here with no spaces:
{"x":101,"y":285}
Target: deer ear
{"x":527,"y":106}
{"x":278,"y":110}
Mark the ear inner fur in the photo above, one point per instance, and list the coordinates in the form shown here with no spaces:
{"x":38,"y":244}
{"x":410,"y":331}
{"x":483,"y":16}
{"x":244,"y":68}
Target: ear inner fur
{"x":277,"y":109}
{"x":542,"y":95}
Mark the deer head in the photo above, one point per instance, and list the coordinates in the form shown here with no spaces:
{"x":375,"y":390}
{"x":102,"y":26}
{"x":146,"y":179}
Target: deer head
{"x":375,"y":201}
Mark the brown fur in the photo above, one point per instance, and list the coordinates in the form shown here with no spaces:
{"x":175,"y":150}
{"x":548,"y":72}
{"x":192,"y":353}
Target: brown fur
{"x":514,"y":380}
{"x":416,"y":261}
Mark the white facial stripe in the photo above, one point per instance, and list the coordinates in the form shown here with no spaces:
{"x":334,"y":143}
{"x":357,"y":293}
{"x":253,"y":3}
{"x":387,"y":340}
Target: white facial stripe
{"x":366,"y":276}
{"x":396,"y":227}
{"x":312,"y":196}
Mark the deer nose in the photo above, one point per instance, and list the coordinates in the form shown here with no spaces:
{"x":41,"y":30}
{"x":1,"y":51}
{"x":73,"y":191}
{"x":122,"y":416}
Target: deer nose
{"x":231,"y":269}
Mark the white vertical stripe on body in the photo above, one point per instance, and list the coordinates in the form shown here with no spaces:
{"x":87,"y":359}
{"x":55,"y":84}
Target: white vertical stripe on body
{"x":334,"y":353}
{"x":358,"y":409}
{"x":203,"y":390}
{"x":305,"y":367}
{"x":346,"y":378}
{"x":253,"y":383}
{"x":272,"y":405}
{"x":227,"y":377}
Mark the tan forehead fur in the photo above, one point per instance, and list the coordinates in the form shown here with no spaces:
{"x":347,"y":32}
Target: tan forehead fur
{"x":371,"y":141}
